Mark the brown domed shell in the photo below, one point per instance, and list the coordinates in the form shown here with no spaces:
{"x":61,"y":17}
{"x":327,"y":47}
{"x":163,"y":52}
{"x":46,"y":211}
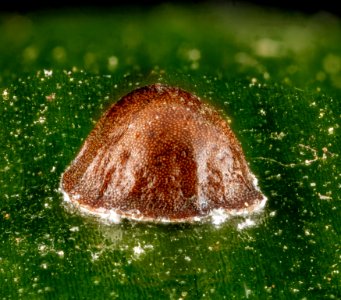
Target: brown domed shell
{"x":160,"y":153}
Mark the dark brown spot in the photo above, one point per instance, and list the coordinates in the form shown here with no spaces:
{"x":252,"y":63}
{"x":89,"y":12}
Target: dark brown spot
{"x":161,"y":153}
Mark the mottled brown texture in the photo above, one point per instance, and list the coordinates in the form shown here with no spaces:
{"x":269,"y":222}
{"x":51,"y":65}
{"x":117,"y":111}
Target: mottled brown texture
{"x":161,"y":153}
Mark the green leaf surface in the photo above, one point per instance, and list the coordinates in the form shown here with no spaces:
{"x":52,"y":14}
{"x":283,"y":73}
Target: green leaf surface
{"x":275,"y":76}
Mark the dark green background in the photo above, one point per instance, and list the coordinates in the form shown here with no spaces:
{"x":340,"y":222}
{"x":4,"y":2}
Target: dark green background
{"x":275,"y":75}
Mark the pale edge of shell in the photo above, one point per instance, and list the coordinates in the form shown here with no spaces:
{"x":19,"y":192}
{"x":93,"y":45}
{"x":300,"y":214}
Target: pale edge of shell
{"x":216,"y":216}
